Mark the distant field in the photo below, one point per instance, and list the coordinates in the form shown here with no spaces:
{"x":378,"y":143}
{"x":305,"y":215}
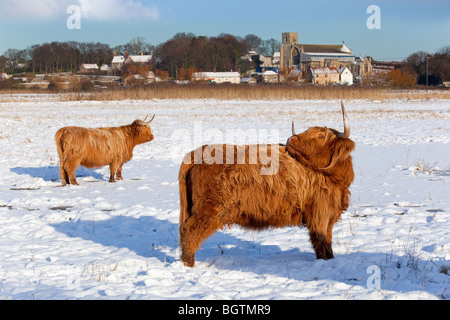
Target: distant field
{"x":244,"y":92}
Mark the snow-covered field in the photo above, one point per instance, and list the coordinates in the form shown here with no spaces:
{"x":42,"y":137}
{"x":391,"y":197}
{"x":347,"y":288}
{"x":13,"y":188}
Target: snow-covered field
{"x":104,"y":240}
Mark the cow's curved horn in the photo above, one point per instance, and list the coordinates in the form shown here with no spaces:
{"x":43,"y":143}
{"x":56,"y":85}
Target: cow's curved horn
{"x":150,"y":119}
{"x":346,"y":133}
{"x":293,"y":129}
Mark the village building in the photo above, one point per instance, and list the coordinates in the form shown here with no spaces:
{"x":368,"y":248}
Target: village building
{"x":324,"y":75}
{"x":138,"y":59}
{"x":345,"y":76}
{"x":105,"y":68}
{"x":269,"y":76}
{"x":262,"y":61}
{"x":294,"y":55}
{"x":217,"y":77}
{"x":117,"y":62}
{"x":362,"y":67}
{"x":88,"y":68}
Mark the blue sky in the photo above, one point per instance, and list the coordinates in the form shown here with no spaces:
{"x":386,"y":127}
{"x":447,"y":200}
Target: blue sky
{"x":406,"y":26}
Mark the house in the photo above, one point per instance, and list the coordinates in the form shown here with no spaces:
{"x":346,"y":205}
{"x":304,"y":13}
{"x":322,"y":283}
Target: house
{"x":88,"y":68}
{"x":324,"y":75}
{"x":217,"y":77}
{"x":263,"y":61}
{"x":269,"y":76}
{"x":137,"y":59}
{"x":276,"y":59}
{"x":150,"y":77}
{"x":105,"y":68}
{"x":117,"y":62}
{"x":345,"y":76}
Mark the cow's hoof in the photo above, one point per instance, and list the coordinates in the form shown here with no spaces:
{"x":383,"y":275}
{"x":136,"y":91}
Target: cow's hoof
{"x":188,"y":261}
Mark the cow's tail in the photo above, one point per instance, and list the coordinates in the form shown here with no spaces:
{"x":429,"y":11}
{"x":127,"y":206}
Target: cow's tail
{"x":58,"y":142}
{"x":185,"y":197}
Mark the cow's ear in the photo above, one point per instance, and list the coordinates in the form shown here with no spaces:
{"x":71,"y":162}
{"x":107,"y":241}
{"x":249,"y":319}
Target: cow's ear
{"x":343,"y":148}
{"x":137,"y":123}
{"x":341,"y":152}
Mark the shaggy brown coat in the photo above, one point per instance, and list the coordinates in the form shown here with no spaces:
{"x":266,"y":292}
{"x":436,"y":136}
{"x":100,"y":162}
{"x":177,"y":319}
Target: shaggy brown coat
{"x":94,"y":148}
{"x":310,"y":188}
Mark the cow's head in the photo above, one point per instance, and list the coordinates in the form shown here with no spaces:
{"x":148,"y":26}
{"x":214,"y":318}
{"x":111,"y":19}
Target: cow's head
{"x":321,"y":148}
{"x":141,"y":130}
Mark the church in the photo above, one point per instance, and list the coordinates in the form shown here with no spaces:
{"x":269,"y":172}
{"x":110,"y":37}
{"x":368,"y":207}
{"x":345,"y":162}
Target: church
{"x":294,"y":55}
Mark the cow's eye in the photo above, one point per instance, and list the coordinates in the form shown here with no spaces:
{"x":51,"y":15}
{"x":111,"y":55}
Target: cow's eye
{"x":320,"y":136}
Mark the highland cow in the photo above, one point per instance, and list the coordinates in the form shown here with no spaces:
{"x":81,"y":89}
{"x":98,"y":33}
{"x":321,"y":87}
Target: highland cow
{"x":94,"y":148}
{"x":309,"y":188}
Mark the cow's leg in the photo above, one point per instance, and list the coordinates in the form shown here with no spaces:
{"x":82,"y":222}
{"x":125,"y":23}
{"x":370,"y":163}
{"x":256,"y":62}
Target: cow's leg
{"x":119,"y":172}
{"x":70,"y":166}
{"x":63,"y":174}
{"x":328,"y":242}
{"x":66,"y":178}
{"x":112,"y":170}
{"x":193,"y":232}
{"x":321,"y":242}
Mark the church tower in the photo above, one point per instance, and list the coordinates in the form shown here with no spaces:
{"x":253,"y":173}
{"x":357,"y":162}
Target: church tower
{"x":289,"y":41}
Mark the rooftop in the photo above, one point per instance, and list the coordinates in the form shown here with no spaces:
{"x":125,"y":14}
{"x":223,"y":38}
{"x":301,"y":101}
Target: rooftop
{"x":325,"y":48}
{"x":324,"y":70}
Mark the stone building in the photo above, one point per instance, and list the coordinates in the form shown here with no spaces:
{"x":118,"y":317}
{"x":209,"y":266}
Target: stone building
{"x":324,"y":75}
{"x":294,"y":55}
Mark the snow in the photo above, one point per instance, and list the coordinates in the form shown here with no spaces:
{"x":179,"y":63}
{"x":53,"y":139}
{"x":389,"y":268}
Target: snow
{"x":102,"y":240}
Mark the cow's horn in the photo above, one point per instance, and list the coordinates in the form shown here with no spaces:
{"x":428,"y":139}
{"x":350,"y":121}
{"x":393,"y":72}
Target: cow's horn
{"x":293,"y":130}
{"x":150,"y":119}
{"x":346,"y":133}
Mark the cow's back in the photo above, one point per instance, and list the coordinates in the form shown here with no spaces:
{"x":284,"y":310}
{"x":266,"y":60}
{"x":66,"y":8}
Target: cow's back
{"x":247,"y":196}
{"x":93,"y":147}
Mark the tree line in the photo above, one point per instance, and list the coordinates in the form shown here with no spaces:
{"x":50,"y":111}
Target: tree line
{"x":438,"y":66}
{"x":182,"y":52}
{"x":421,"y":68}
{"x":55,"y":57}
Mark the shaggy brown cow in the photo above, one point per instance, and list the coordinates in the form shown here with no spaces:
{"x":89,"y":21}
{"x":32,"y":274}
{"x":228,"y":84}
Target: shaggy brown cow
{"x":94,"y":148}
{"x":310,"y":187}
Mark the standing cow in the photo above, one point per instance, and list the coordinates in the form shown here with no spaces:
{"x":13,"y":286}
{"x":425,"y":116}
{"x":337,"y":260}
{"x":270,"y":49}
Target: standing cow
{"x":309,"y":187}
{"x":94,"y":148}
